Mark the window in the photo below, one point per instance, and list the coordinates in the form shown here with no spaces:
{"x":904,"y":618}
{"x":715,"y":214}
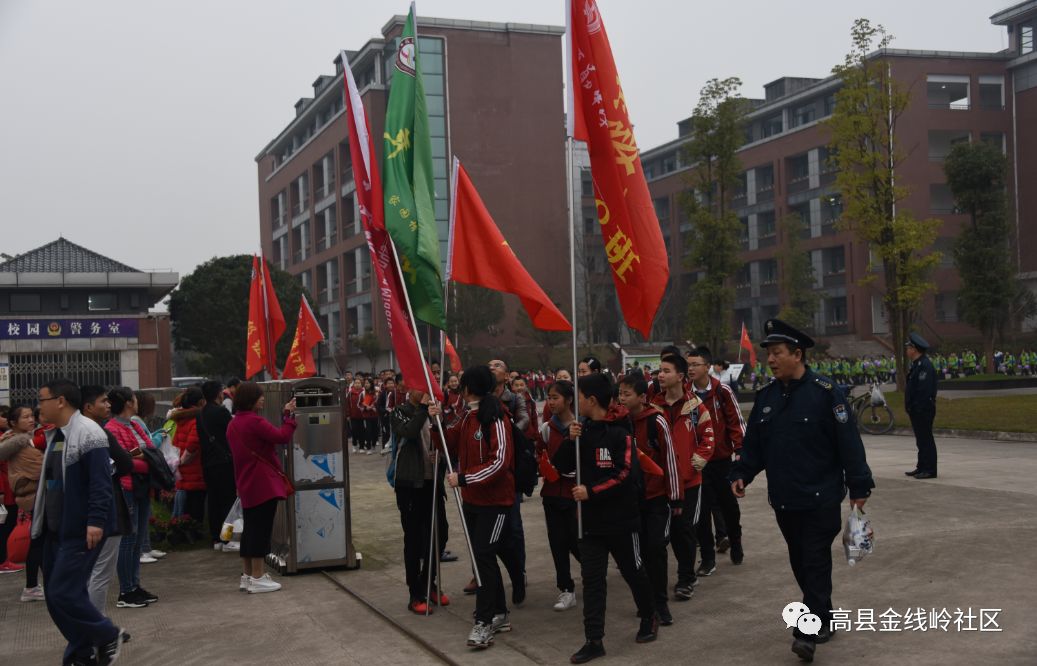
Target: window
{"x":25,"y":302}
{"x":586,"y":183}
{"x":941,"y":201}
{"x":996,"y":139}
{"x":804,"y":114}
{"x":835,"y":310}
{"x":743,"y":277}
{"x":662,"y":208}
{"x":947,"y":306}
{"x":102,"y":302}
{"x":743,"y":234}
{"x":768,"y":271}
{"x":830,"y":104}
{"x":941,"y":142}
{"x":765,"y":225}
{"x":1025,"y":39}
{"x":834,"y":259}
{"x":992,"y":92}
{"x":772,"y":126}
{"x":798,"y":168}
{"x":948,"y":92}
{"x":764,"y":178}
{"x":831,"y":209}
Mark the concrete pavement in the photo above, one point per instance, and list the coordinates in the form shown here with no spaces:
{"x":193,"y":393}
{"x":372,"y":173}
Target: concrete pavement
{"x":965,"y":540}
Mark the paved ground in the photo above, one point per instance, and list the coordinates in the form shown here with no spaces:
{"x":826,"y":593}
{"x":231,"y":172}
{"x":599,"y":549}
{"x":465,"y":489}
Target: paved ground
{"x":963,"y":541}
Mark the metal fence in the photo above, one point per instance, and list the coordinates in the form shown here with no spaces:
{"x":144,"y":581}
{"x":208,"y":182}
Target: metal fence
{"x":31,"y":371}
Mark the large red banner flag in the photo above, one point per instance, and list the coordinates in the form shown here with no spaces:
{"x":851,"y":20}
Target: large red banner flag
{"x":747,"y":345}
{"x":598,"y":115}
{"x":451,"y":353}
{"x":369,"y":201}
{"x":266,"y":323}
{"x":479,"y":255}
{"x":307,"y":335}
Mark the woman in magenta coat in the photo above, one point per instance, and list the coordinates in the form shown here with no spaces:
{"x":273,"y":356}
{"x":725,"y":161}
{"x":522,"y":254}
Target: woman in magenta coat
{"x":260,"y":479}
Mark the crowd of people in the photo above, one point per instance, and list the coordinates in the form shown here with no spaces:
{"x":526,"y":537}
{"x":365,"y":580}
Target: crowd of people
{"x":635,"y":468}
{"x":82,"y":468}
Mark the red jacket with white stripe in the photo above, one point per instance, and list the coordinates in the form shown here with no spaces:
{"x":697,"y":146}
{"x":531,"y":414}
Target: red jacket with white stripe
{"x":728,"y":424}
{"x":691,"y":427}
{"x":484,"y":459}
{"x":661,"y":452}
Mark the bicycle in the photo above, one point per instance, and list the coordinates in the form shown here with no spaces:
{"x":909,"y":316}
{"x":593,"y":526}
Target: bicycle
{"x":871,"y":411}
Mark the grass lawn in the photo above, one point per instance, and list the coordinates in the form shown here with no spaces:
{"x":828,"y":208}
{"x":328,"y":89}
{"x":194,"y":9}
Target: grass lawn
{"x":1013,"y":413}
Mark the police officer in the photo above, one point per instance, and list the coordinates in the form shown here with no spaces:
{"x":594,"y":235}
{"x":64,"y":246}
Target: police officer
{"x":920,"y":405}
{"x":802,"y":431}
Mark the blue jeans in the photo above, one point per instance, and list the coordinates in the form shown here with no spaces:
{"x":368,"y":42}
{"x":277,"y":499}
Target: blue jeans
{"x":130,"y":546}
{"x":179,"y":502}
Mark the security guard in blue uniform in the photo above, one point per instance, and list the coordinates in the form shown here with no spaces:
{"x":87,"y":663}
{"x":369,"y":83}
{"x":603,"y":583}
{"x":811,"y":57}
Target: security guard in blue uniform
{"x":920,"y":405}
{"x":802,"y":432}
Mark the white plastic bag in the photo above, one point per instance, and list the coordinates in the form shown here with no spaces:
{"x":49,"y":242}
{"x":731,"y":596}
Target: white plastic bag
{"x":877,"y":399}
{"x":234,"y":523}
{"x":858,"y":536}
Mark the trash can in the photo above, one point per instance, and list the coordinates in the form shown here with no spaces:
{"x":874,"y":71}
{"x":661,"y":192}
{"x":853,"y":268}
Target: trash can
{"x":313,"y":528}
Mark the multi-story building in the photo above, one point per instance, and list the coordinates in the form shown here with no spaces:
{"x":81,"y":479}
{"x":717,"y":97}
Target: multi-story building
{"x":494,"y":95}
{"x":66,"y":311}
{"x":954,"y":97}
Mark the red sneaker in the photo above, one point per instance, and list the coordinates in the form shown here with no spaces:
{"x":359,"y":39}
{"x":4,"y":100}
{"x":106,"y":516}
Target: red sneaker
{"x":418,"y":606}
{"x":11,"y":567}
{"x":440,"y":598}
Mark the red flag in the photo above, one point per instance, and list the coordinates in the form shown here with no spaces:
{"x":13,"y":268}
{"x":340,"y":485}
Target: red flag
{"x":598,"y":115}
{"x":369,"y":200}
{"x":455,"y":360}
{"x":479,"y":255}
{"x":307,"y":335}
{"x":747,"y":344}
{"x":648,"y":466}
{"x":265,"y":323}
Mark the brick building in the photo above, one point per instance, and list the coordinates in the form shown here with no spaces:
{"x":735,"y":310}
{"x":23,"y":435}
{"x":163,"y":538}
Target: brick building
{"x":955,"y":96}
{"x":66,"y":311}
{"x":495,"y":100}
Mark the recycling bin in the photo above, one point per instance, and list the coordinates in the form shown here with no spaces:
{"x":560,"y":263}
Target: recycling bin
{"x":313,"y":528}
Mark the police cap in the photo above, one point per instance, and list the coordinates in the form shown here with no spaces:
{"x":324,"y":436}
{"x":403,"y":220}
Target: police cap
{"x":918,"y":342}
{"x":779,"y":331}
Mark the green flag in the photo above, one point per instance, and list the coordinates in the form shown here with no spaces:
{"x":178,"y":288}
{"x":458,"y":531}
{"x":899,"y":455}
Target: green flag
{"x":407,"y":182}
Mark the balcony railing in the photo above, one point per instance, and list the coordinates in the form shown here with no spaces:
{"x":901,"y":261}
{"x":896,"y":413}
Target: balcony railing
{"x":280,"y":220}
{"x":765,"y":193}
{"x":799,"y":184}
{"x":302,"y":207}
{"x":951,"y":107}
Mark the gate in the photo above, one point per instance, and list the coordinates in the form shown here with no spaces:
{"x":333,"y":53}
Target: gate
{"x":29,"y":372}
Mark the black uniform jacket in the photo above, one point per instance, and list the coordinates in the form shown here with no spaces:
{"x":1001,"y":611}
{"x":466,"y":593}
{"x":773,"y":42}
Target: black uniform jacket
{"x":805,"y":436}
{"x":920,"y":392}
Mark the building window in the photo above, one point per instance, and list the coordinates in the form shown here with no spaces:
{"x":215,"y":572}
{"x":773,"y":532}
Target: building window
{"x":941,"y":142}
{"x":662,"y":208}
{"x":948,"y":92}
{"x":830,"y":104}
{"x":834,"y":260}
{"x":992,"y":92}
{"x":25,"y":302}
{"x":996,"y":139}
{"x":764,"y":178}
{"x":772,"y":126}
{"x":768,"y":271}
{"x":586,"y":183}
{"x":947,"y":306}
{"x":766,"y":226}
{"x":101,"y":302}
{"x":1025,"y":39}
{"x":743,"y":278}
{"x":804,"y":114}
{"x":941,"y":201}
{"x":835,"y":311}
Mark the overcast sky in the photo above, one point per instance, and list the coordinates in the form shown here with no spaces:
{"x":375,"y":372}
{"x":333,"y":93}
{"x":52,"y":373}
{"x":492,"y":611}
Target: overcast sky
{"x":131,"y":126}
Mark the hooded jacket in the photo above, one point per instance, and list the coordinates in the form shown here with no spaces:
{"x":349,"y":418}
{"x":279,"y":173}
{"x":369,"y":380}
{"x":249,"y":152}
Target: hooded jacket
{"x":126,"y":435}
{"x":726,"y":415}
{"x":24,"y":462}
{"x":660,"y":450}
{"x":691,"y":427}
{"x":552,"y":434}
{"x":485,"y":459}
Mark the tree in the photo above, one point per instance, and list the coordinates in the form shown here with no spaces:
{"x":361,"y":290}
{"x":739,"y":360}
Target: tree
{"x":716,"y":133}
{"x":799,"y":299}
{"x":209,"y":314}
{"x":473,"y":310}
{"x":991,"y":294}
{"x":545,"y":341}
{"x":370,"y":345}
{"x":864,"y":151}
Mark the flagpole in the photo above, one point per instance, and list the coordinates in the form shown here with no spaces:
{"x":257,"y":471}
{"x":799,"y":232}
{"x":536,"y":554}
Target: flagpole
{"x":271,"y":352}
{"x":439,"y":422}
{"x":572,"y":296}
{"x":741,"y":337}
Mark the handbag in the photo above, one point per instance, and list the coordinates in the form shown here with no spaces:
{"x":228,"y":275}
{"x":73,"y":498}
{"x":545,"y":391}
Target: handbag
{"x":160,"y":474}
{"x":284,"y":477}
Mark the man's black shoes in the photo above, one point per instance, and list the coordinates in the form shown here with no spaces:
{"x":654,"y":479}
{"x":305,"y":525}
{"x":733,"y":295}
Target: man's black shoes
{"x":590,"y":650}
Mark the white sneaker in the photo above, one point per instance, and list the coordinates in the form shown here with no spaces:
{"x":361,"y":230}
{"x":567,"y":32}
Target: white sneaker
{"x":232,"y":547}
{"x":243,"y":585}
{"x":33,"y":594}
{"x":370,"y":451}
{"x":566,"y":600}
{"x":146,"y":558}
{"x":157,"y":554}
{"x":354,"y":449}
{"x":385,"y":449}
{"x":263,"y":584}
{"x":218,"y":546}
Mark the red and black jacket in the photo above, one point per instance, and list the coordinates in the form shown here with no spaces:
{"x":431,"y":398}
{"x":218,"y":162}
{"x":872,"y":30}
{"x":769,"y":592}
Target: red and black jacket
{"x":548,"y":441}
{"x":485,"y":459}
{"x":652,"y":436}
{"x":611,"y":474}
{"x":691,"y":427}
{"x":728,"y":424}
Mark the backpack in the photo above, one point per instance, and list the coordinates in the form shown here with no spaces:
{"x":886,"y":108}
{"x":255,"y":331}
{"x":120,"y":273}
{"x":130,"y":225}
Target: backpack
{"x":524,"y":467}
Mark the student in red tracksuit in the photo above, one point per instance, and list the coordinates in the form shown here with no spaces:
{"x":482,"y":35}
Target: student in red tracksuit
{"x":520,"y":387}
{"x":728,"y":430}
{"x":481,"y":441}
{"x":663,"y":495}
{"x":557,"y":496}
{"x":357,"y":428}
{"x":692,"y":431}
{"x":369,"y":411}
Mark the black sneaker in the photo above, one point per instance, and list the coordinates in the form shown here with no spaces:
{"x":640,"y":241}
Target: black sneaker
{"x":109,"y":652}
{"x":82,"y":660}
{"x":706,"y":568}
{"x":447,"y":556}
{"x":131,"y":600}
{"x":665,"y":618}
{"x":683,"y":591}
{"x":146,"y":596}
{"x":804,"y":649}
{"x":649,"y":629}
{"x":722,"y":545}
{"x":737,"y":554}
{"x":518,"y":590}
{"x":825,"y":635}
{"x":590,"y":650}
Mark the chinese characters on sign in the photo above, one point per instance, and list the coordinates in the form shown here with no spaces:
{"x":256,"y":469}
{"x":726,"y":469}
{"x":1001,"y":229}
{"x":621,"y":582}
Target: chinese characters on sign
{"x":63,"y":329}
{"x":917,"y":619}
